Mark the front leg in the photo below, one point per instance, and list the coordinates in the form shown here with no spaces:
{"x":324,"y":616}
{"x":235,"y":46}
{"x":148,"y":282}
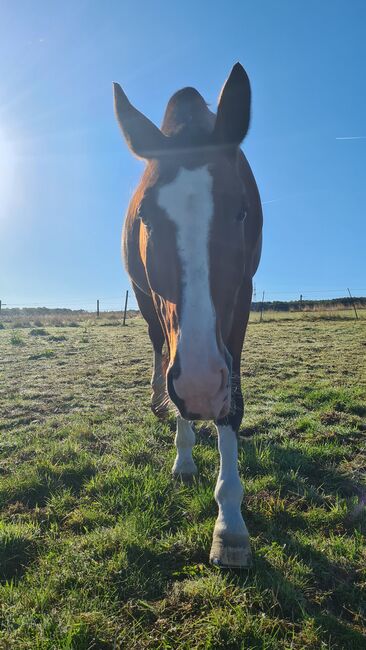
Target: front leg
{"x":184,"y":466}
{"x":230,"y":544}
{"x":159,"y":396}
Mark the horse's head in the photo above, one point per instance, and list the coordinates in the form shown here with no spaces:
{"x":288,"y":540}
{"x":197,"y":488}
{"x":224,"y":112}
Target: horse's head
{"x":192,"y":204}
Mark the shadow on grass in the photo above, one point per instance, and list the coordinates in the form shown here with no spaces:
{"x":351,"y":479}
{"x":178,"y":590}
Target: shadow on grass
{"x":148,"y":570}
{"x":342,"y":598}
{"x":15,"y":557}
{"x":328,"y":592}
{"x":317,"y":472}
{"x":293,"y":604}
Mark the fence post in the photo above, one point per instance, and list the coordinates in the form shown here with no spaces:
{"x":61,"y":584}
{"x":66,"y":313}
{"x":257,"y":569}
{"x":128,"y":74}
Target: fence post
{"x":353,"y":304}
{"x":97,"y":308}
{"x":0,"y":305}
{"x":300,"y":301}
{"x":261,"y":317}
{"x":125,"y":310}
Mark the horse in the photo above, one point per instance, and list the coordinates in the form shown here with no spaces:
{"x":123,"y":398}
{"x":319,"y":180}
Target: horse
{"x":191,"y":243}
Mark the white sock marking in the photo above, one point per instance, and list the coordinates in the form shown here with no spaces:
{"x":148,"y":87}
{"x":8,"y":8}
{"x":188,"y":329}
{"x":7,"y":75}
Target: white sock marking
{"x":184,"y":441}
{"x":229,"y":490}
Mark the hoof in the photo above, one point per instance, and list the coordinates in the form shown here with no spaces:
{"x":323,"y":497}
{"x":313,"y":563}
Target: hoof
{"x":231,"y":552}
{"x":185,"y":477}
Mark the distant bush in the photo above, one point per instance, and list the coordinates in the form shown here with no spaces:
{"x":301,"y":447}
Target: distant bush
{"x":309,"y":305}
{"x":46,"y":354}
{"x":20,"y":324}
{"x":16,"y":339}
{"x":38,"y":331}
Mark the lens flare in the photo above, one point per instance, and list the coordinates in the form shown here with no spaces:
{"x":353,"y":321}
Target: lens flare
{"x":8,"y":160}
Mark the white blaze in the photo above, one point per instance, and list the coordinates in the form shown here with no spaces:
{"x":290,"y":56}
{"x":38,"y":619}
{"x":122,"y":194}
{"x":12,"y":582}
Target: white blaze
{"x":188,"y":203}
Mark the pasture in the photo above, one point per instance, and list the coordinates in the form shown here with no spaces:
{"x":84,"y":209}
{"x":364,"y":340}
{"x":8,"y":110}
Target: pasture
{"x":99,"y":548}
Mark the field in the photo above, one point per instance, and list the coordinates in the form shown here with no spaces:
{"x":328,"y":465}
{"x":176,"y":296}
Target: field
{"x":99,"y":548}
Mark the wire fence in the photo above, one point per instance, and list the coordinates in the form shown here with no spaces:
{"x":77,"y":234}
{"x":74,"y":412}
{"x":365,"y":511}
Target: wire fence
{"x":280,"y":301}
{"x":75,"y":304}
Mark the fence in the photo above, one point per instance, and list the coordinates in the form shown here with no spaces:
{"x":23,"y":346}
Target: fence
{"x":305,"y":302}
{"x":345,"y":303}
{"x":27,"y":311}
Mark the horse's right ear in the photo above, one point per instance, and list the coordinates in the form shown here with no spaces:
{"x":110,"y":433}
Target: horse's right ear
{"x":233,"y":111}
{"x":142,"y":136}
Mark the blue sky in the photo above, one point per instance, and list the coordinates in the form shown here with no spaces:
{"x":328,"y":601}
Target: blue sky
{"x":66,"y":175}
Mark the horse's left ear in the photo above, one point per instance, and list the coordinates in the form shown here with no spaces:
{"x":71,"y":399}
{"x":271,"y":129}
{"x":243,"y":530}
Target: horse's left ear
{"x":144,"y":139}
{"x":233,"y":112}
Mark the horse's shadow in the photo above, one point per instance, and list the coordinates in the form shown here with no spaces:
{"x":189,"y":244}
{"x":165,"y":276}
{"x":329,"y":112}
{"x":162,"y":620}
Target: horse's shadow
{"x":288,"y":459}
{"x":311,"y":483}
{"x":331,"y":595}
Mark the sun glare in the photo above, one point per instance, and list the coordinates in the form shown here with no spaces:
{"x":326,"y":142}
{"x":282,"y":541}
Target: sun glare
{"x":7,"y":173}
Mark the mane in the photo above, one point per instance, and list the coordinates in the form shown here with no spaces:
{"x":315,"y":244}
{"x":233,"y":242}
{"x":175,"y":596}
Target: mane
{"x":187,"y":113}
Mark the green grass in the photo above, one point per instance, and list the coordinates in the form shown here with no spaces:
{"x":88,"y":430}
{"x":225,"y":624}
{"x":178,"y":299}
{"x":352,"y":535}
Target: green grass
{"x":16,"y":339}
{"x":100,"y":549}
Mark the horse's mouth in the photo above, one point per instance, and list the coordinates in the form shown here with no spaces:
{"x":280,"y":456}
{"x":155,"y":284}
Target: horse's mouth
{"x":187,"y":415}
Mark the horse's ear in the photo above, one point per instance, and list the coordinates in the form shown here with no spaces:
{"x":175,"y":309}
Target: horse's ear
{"x":233,"y":112}
{"x":143,"y":138}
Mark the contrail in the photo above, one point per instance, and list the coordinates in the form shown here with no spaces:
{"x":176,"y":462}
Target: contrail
{"x":353,"y":137}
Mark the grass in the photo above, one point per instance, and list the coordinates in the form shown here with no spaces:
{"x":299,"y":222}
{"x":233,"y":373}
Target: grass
{"x":100,"y":549}
{"x":16,"y":339}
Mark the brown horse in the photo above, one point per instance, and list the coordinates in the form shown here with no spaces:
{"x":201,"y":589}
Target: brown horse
{"x":191,"y":244}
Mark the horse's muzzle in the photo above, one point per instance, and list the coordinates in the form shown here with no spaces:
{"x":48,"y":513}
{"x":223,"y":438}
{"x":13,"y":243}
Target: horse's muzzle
{"x":202,"y":395}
